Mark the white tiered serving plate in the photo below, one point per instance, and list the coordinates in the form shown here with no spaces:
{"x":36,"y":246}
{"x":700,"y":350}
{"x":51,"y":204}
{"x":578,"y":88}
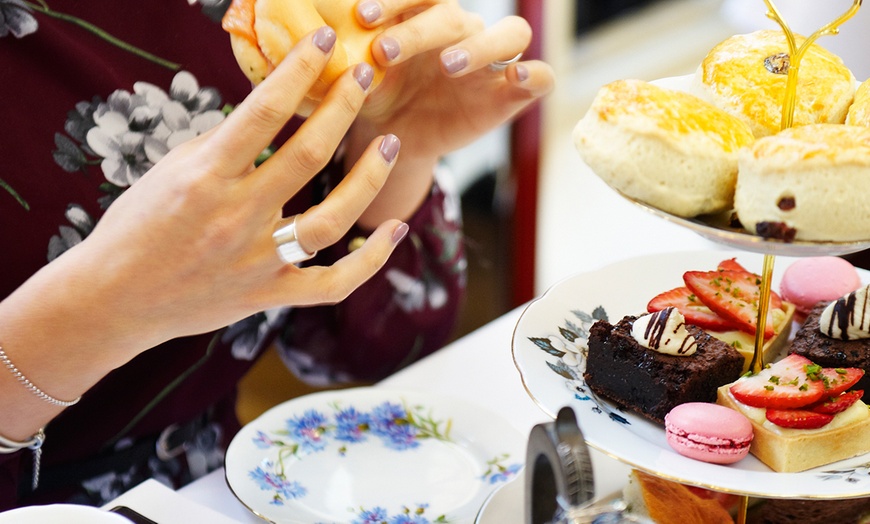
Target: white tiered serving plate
{"x":551,"y":372}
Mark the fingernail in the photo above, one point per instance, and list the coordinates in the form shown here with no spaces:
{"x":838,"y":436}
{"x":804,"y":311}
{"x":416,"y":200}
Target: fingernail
{"x":400,"y":233}
{"x":522,"y":73}
{"x":455,"y":61}
{"x":369,"y":11}
{"x":324,"y":38}
{"x":389,"y":148}
{"x":364,"y":74}
{"x":390,"y":47}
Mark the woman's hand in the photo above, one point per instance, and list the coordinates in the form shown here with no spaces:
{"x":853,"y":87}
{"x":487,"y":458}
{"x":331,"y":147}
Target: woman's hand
{"x":189,"y":249}
{"x":439,"y":93}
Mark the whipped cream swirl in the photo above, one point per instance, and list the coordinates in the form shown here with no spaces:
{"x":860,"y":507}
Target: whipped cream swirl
{"x":664,"y":331}
{"x":848,"y":318}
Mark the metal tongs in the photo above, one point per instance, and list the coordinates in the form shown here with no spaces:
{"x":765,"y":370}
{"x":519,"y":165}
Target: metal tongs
{"x":560,"y":486}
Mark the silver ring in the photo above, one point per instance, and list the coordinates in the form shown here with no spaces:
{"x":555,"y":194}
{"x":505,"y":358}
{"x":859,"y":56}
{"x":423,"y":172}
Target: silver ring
{"x":290,"y":251}
{"x":501,"y":65}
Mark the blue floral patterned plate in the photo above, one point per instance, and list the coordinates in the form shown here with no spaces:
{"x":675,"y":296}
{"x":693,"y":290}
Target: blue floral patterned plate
{"x":372,"y":455}
{"x":549,"y":346}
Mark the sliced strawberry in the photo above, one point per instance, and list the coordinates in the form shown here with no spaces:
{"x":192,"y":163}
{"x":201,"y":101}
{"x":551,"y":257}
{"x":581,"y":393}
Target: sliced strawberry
{"x":731,"y":264}
{"x":798,"y":418}
{"x":838,"y":380}
{"x":692,"y":309}
{"x":837,"y":404}
{"x":730,"y":294}
{"x":782,"y":385}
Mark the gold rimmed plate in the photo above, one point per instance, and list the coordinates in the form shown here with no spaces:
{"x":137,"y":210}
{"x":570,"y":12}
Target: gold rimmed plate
{"x":547,"y":350}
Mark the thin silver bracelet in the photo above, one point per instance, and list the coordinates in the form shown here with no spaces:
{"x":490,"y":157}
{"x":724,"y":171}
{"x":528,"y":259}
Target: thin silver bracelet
{"x":34,"y":443}
{"x":30,"y":385}
{"x":11,"y":446}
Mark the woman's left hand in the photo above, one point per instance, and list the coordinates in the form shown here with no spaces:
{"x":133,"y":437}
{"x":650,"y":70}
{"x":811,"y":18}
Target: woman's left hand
{"x":439,"y":92}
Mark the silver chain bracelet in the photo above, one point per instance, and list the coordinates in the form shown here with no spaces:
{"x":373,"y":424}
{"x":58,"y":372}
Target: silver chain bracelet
{"x":4,"y":358}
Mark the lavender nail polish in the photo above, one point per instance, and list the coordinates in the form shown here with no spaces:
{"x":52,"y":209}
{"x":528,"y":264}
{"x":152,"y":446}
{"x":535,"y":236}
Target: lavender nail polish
{"x":522,"y":73}
{"x":390,"y":47}
{"x":369,"y":11}
{"x":389,"y":148}
{"x":324,"y":39}
{"x":455,"y":61}
{"x":364,"y":74}
{"x":400,"y":233}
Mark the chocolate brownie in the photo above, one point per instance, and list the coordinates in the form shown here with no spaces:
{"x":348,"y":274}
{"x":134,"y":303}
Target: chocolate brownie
{"x":652,"y":383}
{"x":829,"y":352}
{"x":785,"y":511}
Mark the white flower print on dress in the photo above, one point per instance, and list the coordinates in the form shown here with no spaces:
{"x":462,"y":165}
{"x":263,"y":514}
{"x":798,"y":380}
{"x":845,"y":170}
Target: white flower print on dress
{"x":135,"y":130}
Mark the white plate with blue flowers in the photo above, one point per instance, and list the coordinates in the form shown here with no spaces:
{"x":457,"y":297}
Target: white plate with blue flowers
{"x":366,"y":455}
{"x":549,"y":346}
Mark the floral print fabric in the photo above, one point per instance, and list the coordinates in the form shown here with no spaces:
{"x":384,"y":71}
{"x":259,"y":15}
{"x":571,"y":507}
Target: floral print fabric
{"x":94,"y":93}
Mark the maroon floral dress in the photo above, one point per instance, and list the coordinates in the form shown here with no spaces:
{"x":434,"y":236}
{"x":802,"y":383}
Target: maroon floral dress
{"x":92,"y":95}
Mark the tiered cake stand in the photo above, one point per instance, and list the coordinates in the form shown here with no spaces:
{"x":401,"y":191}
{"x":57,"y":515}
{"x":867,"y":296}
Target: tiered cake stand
{"x":721,"y":232}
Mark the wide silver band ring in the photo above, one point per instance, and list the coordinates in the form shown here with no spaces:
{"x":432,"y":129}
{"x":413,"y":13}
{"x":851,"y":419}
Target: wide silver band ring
{"x":290,"y":251}
{"x":501,"y":65}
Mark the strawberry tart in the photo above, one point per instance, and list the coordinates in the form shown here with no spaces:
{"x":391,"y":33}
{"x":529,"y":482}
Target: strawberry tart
{"x":803,"y":415}
{"x":724,"y":302}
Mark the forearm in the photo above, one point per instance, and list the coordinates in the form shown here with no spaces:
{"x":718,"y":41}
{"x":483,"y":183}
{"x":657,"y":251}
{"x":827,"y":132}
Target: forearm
{"x":52,"y":330}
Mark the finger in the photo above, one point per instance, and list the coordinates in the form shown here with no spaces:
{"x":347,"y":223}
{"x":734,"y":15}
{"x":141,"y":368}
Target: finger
{"x":372,"y":13}
{"x":314,"y":143}
{"x":436,"y":27}
{"x":329,"y":285}
{"x":252,"y":126}
{"x":534,"y":77}
{"x":509,"y":37}
{"x":327,"y":222}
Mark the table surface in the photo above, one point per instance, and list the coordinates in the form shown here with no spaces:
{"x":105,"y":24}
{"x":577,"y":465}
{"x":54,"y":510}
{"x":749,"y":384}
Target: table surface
{"x":478,"y":367}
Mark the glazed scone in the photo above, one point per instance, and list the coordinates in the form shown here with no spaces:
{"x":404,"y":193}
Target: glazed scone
{"x":807,"y":183}
{"x":747,"y":76}
{"x":859,"y":111}
{"x":667,"y":148}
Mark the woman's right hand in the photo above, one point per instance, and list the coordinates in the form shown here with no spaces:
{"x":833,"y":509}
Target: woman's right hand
{"x":189,"y":249}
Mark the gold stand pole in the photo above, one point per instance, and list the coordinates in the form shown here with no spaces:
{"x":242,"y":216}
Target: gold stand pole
{"x":757,"y":363}
{"x":796,"y":53}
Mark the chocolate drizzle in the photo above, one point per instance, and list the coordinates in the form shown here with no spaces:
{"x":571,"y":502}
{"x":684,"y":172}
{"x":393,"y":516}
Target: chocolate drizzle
{"x":843,"y":315}
{"x":656,"y":328}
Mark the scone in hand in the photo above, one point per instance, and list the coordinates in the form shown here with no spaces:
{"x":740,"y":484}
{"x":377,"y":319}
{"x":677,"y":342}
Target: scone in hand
{"x":263,"y":31}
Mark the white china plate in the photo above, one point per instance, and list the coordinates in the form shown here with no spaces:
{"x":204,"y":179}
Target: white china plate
{"x":553,"y":378}
{"x":356,"y":454}
{"x":717,"y":229}
{"x":504,"y":504}
{"x":61,"y":514}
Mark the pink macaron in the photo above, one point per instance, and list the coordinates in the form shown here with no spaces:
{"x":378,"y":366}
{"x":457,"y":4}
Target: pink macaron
{"x":708,"y":432}
{"x":811,"y":280}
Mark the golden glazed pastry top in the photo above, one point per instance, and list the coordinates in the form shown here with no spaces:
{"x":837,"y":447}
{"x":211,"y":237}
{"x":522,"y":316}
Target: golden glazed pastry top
{"x":748,"y":75}
{"x":859,"y":112}
{"x":674,"y":115}
{"x":818,"y":145}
